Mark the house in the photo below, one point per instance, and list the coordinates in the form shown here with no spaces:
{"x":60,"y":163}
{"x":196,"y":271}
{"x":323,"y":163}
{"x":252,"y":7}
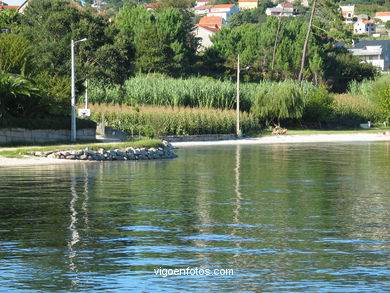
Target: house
{"x":348,"y":13}
{"x":207,"y":27}
{"x":375,"y":52}
{"x":383,"y":16}
{"x":203,"y":2}
{"x":223,"y":10}
{"x":151,"y":6}
{"x":5,"y":6}
{"x":202,"y":10}
{"x":282,"y":9}
{"x":212,"y":21}
{"x":248,"y":4}
{"x":364,"y":27}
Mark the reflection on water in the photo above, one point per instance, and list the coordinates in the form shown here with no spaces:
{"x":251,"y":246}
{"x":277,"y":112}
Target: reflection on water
{"x":284,"y":217}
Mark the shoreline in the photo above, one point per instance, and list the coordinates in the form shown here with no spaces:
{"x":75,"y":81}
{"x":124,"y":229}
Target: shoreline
{"x":282,"y":139}
{"x":315,"y":138}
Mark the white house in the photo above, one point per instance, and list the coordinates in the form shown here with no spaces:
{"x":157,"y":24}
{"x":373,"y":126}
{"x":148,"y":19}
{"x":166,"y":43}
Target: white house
{"x":202,"y":10}
{"x":282,"y":9}
{"x":207,"y":27}
{"x":383,"y":16}
{"x":223,"y":10}
{"x":364,"y":27}
{"x":203,"y":2}
{"x":348,"y":13}
{"x":375,"y":52}
{"x":248,"y":4}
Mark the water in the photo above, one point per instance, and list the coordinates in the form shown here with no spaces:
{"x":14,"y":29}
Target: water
{"x":284,"y":218}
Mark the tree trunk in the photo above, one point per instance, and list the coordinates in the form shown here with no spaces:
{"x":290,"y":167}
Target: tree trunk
{"x":307,"y":41}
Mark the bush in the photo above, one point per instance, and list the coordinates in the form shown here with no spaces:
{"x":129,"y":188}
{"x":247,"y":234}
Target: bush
{"x":278,"y":101}
{"x":157,"y":121}
{"x":356,"y":108}
{"x":318,"y":104}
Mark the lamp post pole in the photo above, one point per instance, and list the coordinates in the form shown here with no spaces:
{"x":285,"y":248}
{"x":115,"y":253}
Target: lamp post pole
{"x":73,"y":93}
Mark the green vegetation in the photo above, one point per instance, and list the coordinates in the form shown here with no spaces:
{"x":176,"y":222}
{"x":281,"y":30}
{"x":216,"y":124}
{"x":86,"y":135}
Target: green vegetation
{"x":45,"y":123}
{"x":156,"y":121}
{"x":20,"y":152}
{"x":121,"y":55}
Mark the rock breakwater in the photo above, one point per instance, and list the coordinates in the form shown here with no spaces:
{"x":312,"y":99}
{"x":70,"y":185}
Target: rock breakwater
{"x":102,"y":154}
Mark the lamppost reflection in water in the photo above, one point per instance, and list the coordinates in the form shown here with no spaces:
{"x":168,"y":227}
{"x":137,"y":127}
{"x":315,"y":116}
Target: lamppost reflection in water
{"x":74,"y":218}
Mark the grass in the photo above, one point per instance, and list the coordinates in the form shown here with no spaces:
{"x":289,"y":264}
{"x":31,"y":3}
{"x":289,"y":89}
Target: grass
{"x":20,"y":152}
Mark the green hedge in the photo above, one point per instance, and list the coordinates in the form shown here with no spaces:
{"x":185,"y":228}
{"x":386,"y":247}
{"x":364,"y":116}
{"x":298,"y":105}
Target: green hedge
{"x":49,"y":123}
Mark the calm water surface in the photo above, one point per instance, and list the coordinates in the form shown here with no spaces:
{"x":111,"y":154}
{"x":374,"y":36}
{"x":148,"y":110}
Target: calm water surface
{"x":285,"y":218}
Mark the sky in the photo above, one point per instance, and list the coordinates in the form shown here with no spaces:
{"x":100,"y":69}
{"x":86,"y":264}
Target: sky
{"x":14,"y":2}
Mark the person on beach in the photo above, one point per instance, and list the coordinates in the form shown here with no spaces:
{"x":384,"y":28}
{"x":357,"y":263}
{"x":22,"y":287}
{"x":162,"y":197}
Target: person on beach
{"x":279,"y":130}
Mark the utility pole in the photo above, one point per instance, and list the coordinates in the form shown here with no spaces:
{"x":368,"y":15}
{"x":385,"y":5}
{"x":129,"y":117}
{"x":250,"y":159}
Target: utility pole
{"x":307,"y":41}
{"x":276,"y":43}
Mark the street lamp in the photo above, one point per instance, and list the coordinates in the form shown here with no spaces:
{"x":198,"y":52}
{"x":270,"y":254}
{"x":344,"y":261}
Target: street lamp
{"x":238,"y":130}
{"x":73,"y":94}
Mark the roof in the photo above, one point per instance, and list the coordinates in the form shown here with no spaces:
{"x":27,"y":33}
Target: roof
{"x":203,"y":7}
{"x":210,"y":20}
{"x":152,"y":5}
{"x":286,"y":4}
{"x":214,"y":29}
{"x":4,"y":7}
{"x":363,"y":44}
{"x":367,"y":51}
{"x":255,"y":1}
{"x":223,"y":6}
{"x":368,"y":21}
{"x":386,"y":13}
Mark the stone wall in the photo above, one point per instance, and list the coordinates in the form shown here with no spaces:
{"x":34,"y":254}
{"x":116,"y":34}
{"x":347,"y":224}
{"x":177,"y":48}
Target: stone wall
{"x":8,"y":135}
{"x":206,"y":137}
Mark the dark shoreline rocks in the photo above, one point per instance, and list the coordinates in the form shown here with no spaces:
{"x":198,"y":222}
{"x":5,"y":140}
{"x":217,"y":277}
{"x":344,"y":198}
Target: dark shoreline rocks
{"x":128,"y":154}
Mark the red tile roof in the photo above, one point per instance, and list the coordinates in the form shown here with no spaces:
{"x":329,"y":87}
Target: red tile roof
{"x":211,"y":21}
{"x":223,"y":6}
{"x":4,"y":7}
{"x":382,"y":14}
{"x":213,"y":29}
{"x":286,"y":4}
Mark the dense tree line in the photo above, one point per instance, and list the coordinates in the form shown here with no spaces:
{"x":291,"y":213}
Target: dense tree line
{"x":162,"y":41}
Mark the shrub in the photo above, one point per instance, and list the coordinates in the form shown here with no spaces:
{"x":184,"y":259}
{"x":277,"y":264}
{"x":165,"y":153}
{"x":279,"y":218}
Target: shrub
{"x":157,"y":121}
{"x":276,"y":101}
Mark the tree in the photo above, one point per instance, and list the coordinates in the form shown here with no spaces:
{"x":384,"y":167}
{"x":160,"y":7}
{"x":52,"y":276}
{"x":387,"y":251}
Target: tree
{"x":162,"y":42}
{"x":51,"y":24}
{"x":15,"y":52}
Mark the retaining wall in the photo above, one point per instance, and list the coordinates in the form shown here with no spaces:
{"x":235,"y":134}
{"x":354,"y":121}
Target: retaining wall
{"x":205,"y":137}
{"x":8,"y":135}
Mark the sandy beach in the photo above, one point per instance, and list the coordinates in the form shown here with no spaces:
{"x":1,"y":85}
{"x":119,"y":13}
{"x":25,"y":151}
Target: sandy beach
{"x":345,"y":137}
{"x":317,"y":138}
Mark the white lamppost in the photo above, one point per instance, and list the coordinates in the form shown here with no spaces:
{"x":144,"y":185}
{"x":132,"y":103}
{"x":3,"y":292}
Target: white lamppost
{"x":73,"y":94}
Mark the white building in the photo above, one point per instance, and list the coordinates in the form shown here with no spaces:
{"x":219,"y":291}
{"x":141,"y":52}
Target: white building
{"x":364,"y":27}
{"x":282,"y":9}
{"x":202,"y":10}
{"x":203,"y":2}
{"x":223,"y":10}
{"x":348,"y":13}
{"x":375,"y":52}
{"x":383,"y":16}
{"x":207,"y":27}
